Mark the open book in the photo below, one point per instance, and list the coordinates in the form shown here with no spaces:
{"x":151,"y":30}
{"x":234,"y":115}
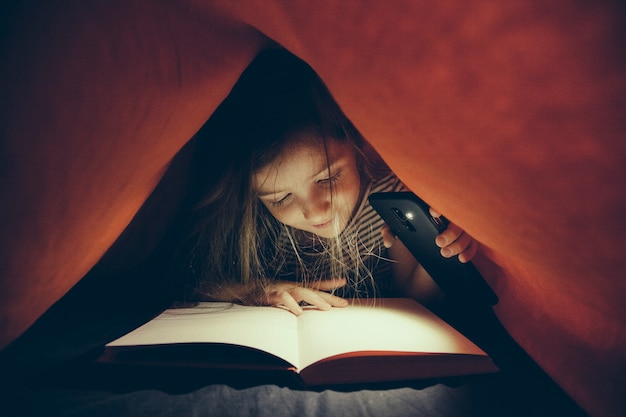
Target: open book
{"x":368,"y":341}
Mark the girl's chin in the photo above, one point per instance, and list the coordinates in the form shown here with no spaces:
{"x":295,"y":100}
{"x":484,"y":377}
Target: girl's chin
{"x":327,"y":235}
{"x":330,"y":232}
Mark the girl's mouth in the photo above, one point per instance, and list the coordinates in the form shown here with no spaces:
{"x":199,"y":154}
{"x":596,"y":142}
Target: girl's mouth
{"x":323,"y":225}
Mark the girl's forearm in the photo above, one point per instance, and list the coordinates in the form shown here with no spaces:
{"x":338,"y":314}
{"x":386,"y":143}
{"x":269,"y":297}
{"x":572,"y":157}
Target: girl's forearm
{"x":411,"y":279}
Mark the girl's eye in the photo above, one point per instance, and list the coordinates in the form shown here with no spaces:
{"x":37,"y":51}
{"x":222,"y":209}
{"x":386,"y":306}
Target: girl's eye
{"x":282,"y":201}
{"x":330,"y":179}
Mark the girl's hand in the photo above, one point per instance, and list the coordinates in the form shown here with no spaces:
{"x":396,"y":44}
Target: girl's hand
{"x":388,"y":237}
{"x":454,"y":241}
{"x":410,"y":278}
{"x":289,"y":295}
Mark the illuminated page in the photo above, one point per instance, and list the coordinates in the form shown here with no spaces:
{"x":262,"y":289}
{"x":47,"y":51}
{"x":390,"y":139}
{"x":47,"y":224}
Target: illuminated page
{"x":268,"y":329}
{"x":391,"y":325}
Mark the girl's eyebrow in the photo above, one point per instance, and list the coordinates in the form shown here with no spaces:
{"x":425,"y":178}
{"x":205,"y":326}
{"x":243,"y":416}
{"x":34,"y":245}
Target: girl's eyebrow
{"x":262,"y":194}
{"x":330,"y":165}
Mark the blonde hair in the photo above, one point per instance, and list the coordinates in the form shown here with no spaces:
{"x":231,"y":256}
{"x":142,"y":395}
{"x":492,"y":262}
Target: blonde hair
{"x":278,"y":98}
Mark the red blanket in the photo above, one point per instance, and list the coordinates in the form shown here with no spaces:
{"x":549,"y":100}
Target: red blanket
{"x":507,"y":119}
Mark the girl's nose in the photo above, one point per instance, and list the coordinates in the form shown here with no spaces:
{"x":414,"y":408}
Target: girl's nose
{"x":317,"y":207}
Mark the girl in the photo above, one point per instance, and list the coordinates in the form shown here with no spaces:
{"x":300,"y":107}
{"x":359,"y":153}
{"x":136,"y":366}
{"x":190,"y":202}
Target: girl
{"x":287,"y":222}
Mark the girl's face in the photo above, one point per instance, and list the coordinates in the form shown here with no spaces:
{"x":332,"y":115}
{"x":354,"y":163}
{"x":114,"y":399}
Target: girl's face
{"x":296,"y":187}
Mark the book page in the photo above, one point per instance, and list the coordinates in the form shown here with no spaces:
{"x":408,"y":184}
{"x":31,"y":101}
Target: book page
{"x":269,"y":329}
{"x":400,"y":325}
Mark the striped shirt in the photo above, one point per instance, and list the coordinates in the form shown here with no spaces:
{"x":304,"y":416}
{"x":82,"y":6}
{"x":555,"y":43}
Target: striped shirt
{"x":361,"y":258}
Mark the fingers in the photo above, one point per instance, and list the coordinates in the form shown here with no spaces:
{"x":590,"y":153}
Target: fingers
{"x":322,"y":300}
{"x":469,"y":253}
{"x":388,"y":236}
{"x":329,"y":284}
{"x":454,"y":241}
{"x":332,"y":300}
{"x":449,"y":236}
{"x":286,"y":300}
{"x":290,"y":295}
{"x":457,"y":242}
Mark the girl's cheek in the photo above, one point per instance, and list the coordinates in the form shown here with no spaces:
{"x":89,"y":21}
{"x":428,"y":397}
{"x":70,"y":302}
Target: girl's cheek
{"x":287,"y":217}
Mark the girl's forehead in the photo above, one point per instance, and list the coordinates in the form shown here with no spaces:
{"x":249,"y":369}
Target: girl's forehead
{"x":305,"y":141}
{"x":314,"y":150}
{"x":301,"y":160}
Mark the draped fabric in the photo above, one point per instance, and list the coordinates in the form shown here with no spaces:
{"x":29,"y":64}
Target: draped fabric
{"x":507,"y":118}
